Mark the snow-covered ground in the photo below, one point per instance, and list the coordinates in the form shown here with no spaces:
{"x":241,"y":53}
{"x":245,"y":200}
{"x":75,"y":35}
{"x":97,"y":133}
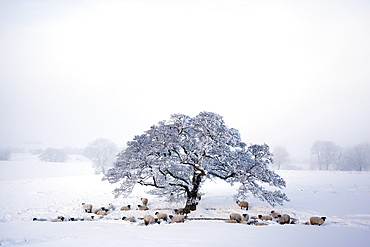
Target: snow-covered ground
{"x":29,"y":189}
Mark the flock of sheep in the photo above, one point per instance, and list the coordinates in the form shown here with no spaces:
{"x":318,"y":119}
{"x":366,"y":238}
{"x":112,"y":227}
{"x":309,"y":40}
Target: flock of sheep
{"x":181,"y":215}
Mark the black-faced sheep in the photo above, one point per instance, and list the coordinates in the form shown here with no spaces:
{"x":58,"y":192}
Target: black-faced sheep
{"x":284,"y":219}
{"x":274,"y":214}
{"x":91,"y":218}
{"x":87,"y":207}
{"x":181,"y":211}
{"x":59,"y":219}
{"x":177,"y":218}
{"x":144,"y":201}
{"x":101,"y":211}
{"x":39,"y":219}
{"x":243,"y":204}
{"x":265,"y":217}
{"x":148,"y":219}
{"x":317,"y":220}
{"x":125,"y":208}
{"x":245,"y":217}
{"x":130,"y":219}
{"x":140,"y":207}
{"x":161,"y":216}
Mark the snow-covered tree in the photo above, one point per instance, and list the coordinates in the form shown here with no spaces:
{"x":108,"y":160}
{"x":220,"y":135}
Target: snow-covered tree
{"x":176,"y":156}
{"x":357,"y":158}
{"x":327,"y":153}
{"x":281,"y":156}
{"x":102,"y":153}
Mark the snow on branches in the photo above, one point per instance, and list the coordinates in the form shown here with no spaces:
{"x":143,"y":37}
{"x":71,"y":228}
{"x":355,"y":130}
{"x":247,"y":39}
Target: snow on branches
{"x":176,"y":156}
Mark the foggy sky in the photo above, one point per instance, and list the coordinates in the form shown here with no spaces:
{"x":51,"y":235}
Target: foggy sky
{"x":281,"y":72}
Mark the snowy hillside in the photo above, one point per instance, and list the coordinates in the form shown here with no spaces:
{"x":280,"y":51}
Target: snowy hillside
{"x":29,"y":189}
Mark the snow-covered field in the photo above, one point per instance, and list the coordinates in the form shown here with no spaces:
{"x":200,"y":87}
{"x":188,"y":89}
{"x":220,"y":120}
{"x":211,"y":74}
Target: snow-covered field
{"x":29,"y":189}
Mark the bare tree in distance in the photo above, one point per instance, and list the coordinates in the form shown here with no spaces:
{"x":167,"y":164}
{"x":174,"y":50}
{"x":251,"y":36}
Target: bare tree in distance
{"x":176,"y":156}
{"x":357,"y":158}
{"x":280,"y":156}
{"x":327,"y":153}
{"x":102,"y":153}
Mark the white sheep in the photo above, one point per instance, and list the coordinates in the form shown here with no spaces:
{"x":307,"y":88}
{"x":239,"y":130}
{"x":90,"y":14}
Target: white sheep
{"x":139,"y":207}
{"x":274,"y":214}
{"x":125,"y":208}
{"x":87,"y":207}
{"x":181,"y":211}
{"x":265,"y":217}
{"x":161,"y":216}
{"x":284,"y":219}
{"x":59,"y":219}
{"x":148,"y":219}
{"x":317,"y":220}
{"x":91,"y":218}
{"x":243,"y":204}
{"x":235,"y":216}
{"x":144,"y":201}
{"x":177,"y":218}
{"x":130,"y":219}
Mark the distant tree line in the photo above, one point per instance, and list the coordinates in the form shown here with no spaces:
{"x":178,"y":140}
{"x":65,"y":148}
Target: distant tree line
{"x":326,"y":155}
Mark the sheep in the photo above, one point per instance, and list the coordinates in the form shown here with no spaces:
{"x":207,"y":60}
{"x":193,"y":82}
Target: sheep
{"x":177,"y":218}
{"x":144,"y":201}
{"x":148,"y":219}
{"x":243,"y":204}
{"x":101,"y":211}
{"x":139,"y":207}
{"x":266,"y":217}
{"x":317,"y":220}
{"x":235,"y":216}
{"x":39,"y":219}
{"x":161,"y":216}
{"x":125,"y":208}
{"x":130,"y":219}
{"x":284,"y":219}
{"x":274,"y":214}
{"x":181,"y":211}
{"x":91,"y":218}
{"x":245,"y":217}
{"x":59,"y":219}
{"x":87,"y":207}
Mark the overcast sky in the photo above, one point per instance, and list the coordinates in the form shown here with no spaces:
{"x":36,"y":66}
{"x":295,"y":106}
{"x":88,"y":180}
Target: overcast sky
{"x":281,"y":72}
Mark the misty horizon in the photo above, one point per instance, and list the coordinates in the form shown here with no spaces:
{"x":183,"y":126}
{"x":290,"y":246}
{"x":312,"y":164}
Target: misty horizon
{"x":282,"y":73}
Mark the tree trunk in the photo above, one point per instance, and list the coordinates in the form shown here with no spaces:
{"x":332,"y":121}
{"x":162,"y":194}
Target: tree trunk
{"x":191,"y":200}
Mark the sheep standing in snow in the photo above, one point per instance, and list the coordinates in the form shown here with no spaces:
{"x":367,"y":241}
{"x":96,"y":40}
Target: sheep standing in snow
{"x":125,"y":208}
{"x":144,"y":201}
{"x":243,"y":204}
{"x":87,"y":207}
{"x":59,"y":219}
{"x":101,"y":211}
{"x":177,"y":218}
{"x":161,"y":216}
{"x":284,"y":219}
{"x":317,"y":220}
{"x":148,"y":219}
